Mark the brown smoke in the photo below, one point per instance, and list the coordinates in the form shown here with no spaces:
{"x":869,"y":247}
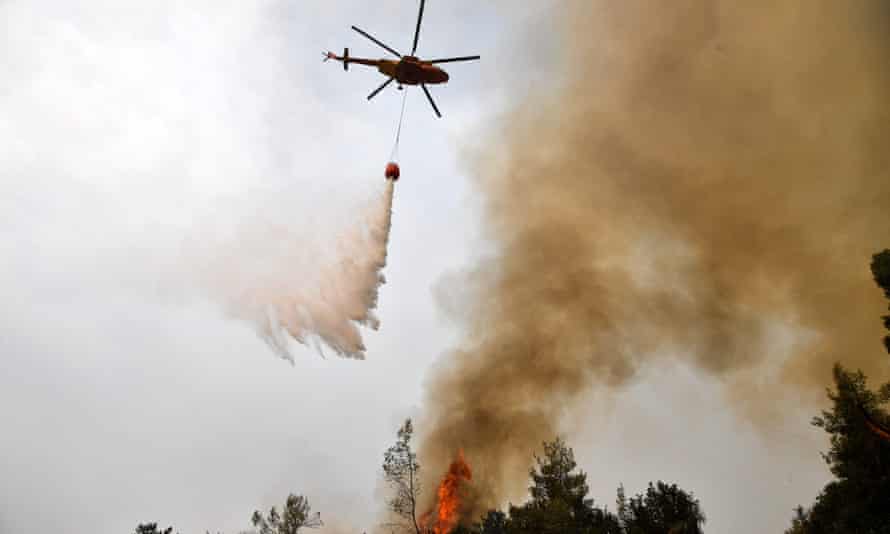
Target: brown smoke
{"x":709,"y":172}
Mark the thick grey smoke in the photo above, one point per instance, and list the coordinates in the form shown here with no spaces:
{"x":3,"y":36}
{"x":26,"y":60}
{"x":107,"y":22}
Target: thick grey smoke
{"x":292,"y":283}
{"x":709,"y":180}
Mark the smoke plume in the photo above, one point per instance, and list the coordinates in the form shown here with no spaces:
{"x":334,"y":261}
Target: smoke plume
{"x":294,"y":283}
{"x":709,"y":176}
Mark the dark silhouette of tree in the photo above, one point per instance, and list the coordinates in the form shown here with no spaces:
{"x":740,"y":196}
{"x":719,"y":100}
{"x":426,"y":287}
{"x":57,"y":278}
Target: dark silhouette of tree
{"x":494,"y":522}
{"x":296,"y":515}
{"x":401,"y":471}
{"x":880,"y":269}
{"x":662,"y":509}
{"x":559,"y":503}
{"x":555,"y":479}
{"x":152,"y":528}
{"x":798,"y":522}
{"x":858,"y":500}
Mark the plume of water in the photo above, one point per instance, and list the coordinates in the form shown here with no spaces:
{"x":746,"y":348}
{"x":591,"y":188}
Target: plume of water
{"x":294,"y":283}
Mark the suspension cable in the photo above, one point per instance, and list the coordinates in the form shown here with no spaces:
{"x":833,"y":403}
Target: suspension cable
{"x":395,"y":148}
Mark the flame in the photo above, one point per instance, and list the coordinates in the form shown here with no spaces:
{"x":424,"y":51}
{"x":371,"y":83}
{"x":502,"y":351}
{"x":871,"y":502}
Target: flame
{"x":448,"y":497}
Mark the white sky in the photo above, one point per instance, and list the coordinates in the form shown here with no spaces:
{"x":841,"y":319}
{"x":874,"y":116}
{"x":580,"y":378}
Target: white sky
{"x":125,"y":397}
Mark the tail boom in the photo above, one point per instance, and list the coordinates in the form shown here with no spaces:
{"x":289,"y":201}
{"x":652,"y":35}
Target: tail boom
{"x":346,"y":59}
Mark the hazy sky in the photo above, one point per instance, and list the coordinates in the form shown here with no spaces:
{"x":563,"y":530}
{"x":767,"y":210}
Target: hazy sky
{"x":130,"y":129}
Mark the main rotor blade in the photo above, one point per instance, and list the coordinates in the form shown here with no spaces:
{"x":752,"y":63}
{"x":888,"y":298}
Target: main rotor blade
{"x":387,"y":82}
{"x":453,"y":59}
{"x":378,"y":43}
{"x":417,"y":31}
{"x":430,"y":98}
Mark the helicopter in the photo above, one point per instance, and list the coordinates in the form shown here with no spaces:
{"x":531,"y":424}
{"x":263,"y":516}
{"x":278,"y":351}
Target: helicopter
{"x":407,"y":70}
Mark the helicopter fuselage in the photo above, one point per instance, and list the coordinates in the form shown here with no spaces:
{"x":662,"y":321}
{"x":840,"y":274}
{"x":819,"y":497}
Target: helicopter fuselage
{"x":407,"y":71}
{"x":412,"y":71}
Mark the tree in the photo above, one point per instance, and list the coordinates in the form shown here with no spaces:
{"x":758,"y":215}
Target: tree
{"x":559,"y":503}
{"x":152,"y":528}
{"x":554,"y":479}
{"x":798,"y":522}
{"x":859,"y":454}
{"x":663,"y":509}
{"x":295,"y":516}
{"x":401,"y":471}
{"x":857,"y":500}
{"x":494,"y":522}
{"x":880,"y":269}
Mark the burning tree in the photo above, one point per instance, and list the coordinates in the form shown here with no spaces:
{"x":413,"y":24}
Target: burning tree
{"x":401,"y":471}
{"x":449,"y":494}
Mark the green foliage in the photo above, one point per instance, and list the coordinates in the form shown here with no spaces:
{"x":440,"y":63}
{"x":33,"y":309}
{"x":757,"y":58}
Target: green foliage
{"x":662,"y":509}
{"x":554,"y":479}
{"x":558,"y":504}
{"x":859,"y":499}
{"x":295,"y":516}
{"x":880,"y":269}
{"x":400,"y":469}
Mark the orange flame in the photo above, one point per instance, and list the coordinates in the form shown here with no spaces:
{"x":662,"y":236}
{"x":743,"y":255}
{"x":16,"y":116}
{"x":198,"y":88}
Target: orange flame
{"x":448,"y":497}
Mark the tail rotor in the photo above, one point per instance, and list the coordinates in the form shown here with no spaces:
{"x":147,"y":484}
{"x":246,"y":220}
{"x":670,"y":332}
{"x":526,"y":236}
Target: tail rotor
{"x":344,"y":58}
